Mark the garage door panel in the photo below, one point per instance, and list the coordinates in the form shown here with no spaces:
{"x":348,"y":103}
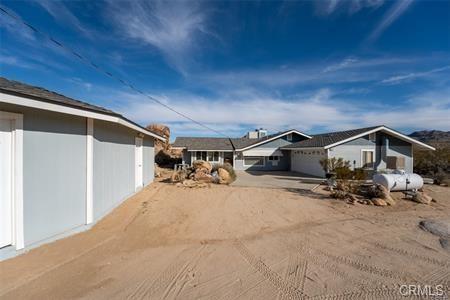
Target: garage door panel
{"x":307,"y":163}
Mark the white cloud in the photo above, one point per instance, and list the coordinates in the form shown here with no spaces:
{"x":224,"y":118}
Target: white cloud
{"x":397,"y":9}
{"x":174,"y":28}
{"x":411,"y":76}
{"x":328,"y":7}
{"x":59,"y":11}
{"x":322,"y":109}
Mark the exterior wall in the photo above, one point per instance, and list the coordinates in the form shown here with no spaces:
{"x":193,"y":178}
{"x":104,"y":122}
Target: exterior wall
{"x":114,"y":164}
{"x":149,"y":160}
{"x":385,"y":145}
{"x":187,"y":157}
{"x":283,"y":163}
{"x":351,"y":151}
{"x":54,"y":172}
{"x":388,"y":145}
{"x":307,"y":161}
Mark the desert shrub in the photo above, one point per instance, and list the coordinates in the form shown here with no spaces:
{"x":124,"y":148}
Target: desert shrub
{"x":343,"y":173}
{"x":359,"y":174}
{"x":440,"y":177}
{"x":338,"y":194}
{"x":331,"y":164}
{"x":432,"y":163}
{"x":227,"y":167}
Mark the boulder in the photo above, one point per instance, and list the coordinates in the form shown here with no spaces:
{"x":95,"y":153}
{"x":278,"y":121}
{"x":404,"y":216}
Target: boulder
{"x":178,"y":176}
{"x":202,"y":164}
{"x":202,"y":176}
{"x":224,"y":176}
{"x":422,"y":198}
{"x":441,"y":228}
{"x":379,"y":202}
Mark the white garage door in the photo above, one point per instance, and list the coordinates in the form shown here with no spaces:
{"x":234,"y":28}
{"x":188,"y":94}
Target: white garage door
{"x":307,"y":162}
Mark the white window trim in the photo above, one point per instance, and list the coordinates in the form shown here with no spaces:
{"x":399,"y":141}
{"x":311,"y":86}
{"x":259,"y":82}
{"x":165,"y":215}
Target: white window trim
{"x":17,"y":178}
{"x":362,"y":157}
{"x":263,"y":157}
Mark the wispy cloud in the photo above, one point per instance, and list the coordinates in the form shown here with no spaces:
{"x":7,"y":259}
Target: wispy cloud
{"x":323,"y":109}
{"x":328,"y":7}
{"x":174,"y":28}
{"x":59,"y":11}
{"x":397,"y":9}
{"x":411,"y":76}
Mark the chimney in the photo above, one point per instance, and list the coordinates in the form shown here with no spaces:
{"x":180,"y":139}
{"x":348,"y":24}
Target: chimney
{"x":257,"y":133}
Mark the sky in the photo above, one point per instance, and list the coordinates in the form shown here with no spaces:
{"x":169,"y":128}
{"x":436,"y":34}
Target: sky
{"x":315,"y":66}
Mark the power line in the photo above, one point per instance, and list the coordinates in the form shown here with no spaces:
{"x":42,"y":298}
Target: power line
{"x":101,"y":70}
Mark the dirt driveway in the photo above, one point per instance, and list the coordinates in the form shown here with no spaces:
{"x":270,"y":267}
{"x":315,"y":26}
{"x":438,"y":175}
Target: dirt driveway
{"x":237,"y":243}
{"x":275,"y":179}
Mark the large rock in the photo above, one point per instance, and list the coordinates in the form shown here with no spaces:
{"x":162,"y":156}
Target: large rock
{"x":378,"y":202}
{"x":224,"y":176}
{"x":178,"y":176}
{"x":441,"y":228}
{"x":203,"y":176}
{"x":201,"y":164}
{"x":421,"y":197}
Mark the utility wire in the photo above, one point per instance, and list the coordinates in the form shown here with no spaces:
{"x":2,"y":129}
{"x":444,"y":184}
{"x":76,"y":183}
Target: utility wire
{"x":101,"y":70}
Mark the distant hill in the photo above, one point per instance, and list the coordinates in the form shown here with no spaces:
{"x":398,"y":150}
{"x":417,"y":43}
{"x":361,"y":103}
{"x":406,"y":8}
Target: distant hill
{"x":436,"y":138}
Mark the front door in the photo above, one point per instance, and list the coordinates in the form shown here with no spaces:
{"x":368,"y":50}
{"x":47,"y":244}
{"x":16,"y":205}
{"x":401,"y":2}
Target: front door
{"x":5,"y":183}
{"x":139,"y":162}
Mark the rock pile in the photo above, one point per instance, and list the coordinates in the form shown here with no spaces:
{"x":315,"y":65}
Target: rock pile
{"x":203,"y":173}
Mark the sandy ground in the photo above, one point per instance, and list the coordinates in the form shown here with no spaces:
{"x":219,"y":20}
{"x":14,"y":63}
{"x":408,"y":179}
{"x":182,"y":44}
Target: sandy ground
{"x":237,"y":243}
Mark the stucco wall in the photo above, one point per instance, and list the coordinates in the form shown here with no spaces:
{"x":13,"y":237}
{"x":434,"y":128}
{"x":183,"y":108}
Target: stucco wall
{"x":54,"y":172}
{"x":149,"y":160}
{"x":351,"y":151}
{"x":114,"y":164}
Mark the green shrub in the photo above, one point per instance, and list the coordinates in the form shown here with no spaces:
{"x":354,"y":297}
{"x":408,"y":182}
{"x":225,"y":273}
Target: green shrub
{"x":360,"y":174}
{"x":331,"y":164}
{"x":343,"y":173}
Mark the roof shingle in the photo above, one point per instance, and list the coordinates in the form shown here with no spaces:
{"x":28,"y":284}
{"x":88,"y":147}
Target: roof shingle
{"x":325,"y":139}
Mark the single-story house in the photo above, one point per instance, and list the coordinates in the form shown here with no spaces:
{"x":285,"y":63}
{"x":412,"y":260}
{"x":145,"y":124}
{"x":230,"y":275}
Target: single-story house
{"x":64,"y":164}
{"x":374,"y":148}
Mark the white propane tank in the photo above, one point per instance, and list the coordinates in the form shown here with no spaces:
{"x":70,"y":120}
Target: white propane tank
{"x":399,"y":182}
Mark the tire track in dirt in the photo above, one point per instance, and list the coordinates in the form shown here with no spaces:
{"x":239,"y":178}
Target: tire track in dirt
{"x":295,"y":273}
{"x":175,"y":272}
{"x":405,"y":252}
{"x":377,"y":293}
{"x":285,"y":287}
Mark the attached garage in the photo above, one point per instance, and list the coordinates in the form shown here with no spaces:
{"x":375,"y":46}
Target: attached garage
{"x":307,"y":161}
{"x":64,"y":165}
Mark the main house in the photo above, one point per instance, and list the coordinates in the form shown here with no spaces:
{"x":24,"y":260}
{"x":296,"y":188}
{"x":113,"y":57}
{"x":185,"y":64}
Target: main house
{"x":64,"y":164}
{"x":375,"y":148}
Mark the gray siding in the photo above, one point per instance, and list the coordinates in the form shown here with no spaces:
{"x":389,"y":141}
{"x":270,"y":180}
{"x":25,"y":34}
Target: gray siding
{"x":54,"y":170}
{"x":114,"y":163}
{"x":386,"y":145}
{"x":149,"y":160}
{"x":351,"y":150}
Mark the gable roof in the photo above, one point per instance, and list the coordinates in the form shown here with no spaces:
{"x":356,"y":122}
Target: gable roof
{"x":203,"y":143}
{"x":42,"y":95}
{"x":246,"y":143}
{"x":332,"y":139}
{"x":227,"y":144}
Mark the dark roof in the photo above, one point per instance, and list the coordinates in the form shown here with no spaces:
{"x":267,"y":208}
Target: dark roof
{"x":325,"y":139}
{"x":211,"y":143}
{"x":203,"y":143}
{"x":37,"y":93}
{"x":15,"y":87}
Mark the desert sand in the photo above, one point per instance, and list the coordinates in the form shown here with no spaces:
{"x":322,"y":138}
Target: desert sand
{"x":228,"y":242}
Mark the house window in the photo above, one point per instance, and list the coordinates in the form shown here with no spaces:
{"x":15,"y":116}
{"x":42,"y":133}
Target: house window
{"x":289,"y":137}
{"x":372,"y":137}
{"x":253,"y":160}
{"x":201,"y":155}
{"x":274,"y":158}
{"x":213,"y":156}
{"x":367,"y":158}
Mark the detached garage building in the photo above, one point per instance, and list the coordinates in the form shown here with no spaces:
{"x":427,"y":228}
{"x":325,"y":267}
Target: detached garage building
{"x":64,"y":164}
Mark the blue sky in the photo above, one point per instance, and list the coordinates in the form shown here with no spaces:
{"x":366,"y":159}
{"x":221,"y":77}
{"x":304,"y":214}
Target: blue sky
{"x":314,"y":65}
